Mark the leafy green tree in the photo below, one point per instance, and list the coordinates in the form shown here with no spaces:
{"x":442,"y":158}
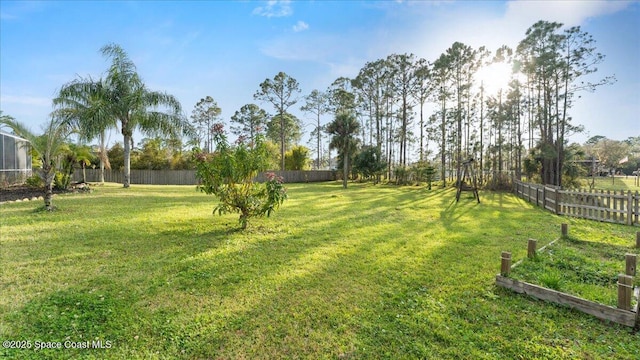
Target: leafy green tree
{"x":73,"y":155}
{"x":573,"y":171}
{"x":441,"y":77}
{"x":292,"y":129}
{"x":341,"y":96}
{"x":423,"y":171}
{"x":229,"y":174}
{"x":127,"y":99}
{"x":369,"y":162}
{"x":421,"y":93}
{"x":461,"y":62}
{"x":47,"y":148}
{"x":81,"y":104}
{"x":153,"y":156}
{"x":251,"y":120}
{"x":611,"y":152}
{"x":281,"y":93}
{"x":404,"y":85}
{"x":297,"y":158}
{"x":555,"y":63}
{"x":273,"y":155}
{"x":116,"y":156}
{"x":205,"y":113}
{"x":371,"y":84}
{"x":344,"y":129}
{"x":317,"y":103}
{"x":633,"y":164}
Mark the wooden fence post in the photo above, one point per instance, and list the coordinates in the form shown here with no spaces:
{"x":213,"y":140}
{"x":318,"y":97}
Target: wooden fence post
{"x":631,"y":261}
{"x":625,"y":287}
{"x":565,"y":229}
{"x":531,"y":248}
{"x":629,"y":208}
{"x":638,"y":239}
{"x":636,"y":327}
{"x":505,"y":266}
{"x":636,"y":206}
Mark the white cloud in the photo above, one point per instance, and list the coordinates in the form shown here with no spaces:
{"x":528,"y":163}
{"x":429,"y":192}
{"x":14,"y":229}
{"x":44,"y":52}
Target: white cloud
{"x":570,"y":13}
{"x":300,"y":26}
{"x":478,"y":26}
{"x":274,"y":8}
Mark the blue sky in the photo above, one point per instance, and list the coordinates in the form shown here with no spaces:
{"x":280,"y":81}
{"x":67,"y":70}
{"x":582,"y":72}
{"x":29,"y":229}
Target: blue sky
{"x":225,"y":49}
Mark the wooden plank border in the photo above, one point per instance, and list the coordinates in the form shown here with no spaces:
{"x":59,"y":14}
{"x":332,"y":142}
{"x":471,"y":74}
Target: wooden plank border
{"x":604,"y":312}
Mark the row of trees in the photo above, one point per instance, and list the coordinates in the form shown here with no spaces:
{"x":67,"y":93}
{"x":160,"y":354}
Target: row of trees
{"x":160,"y":154}
{"x":607,"y":156}
{"x":378,"y":111}
{"x":530,"y":118}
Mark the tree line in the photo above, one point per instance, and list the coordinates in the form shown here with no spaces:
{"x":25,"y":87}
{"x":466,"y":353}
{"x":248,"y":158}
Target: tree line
{"x":379,"y":124}
{"x":380,"y":114}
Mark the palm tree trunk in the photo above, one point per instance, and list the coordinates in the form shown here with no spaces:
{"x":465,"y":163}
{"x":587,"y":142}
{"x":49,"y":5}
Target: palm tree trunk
{"x":127,"y":161}
{"x":48,"y":174}
{"x":103,"y":154}
{"x":345,"y":164}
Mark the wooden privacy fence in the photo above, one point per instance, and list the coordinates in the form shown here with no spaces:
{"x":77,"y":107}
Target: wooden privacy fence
{"x":188,"y":177}
{"x":616,"y":207}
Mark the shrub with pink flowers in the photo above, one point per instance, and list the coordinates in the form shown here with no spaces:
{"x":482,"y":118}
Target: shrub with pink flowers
{"x":230,"y":172}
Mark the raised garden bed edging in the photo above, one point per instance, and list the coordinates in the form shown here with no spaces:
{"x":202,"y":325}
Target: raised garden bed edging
{"x":623,"y":314}
{"x":604,"y":312}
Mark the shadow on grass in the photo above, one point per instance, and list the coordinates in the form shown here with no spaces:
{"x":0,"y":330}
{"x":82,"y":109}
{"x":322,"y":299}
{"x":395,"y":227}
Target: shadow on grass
{"x":358,"y":280}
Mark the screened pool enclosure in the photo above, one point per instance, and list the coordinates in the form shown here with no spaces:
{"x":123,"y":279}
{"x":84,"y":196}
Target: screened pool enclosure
{"x":15,"y":161}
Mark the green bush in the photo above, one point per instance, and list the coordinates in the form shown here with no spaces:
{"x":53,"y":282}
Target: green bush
{"x":402,"y":175}
{"x":229,"y":174}
{"x":34,"y":181}
{"x":61,"y":181}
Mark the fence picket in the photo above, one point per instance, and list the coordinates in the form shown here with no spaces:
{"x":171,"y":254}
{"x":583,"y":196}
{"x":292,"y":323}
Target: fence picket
{"x":608,"y":204}
{"x":622,"y":208}
{"x":188,"y":177}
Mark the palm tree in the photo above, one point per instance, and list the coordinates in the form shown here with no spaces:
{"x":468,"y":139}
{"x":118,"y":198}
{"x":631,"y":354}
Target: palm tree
{"x":46,"y":147}
{"x":344,"y":128}
{"x":123,"y":96}
{"x":82,"y":104}
{"x":73,"y":155}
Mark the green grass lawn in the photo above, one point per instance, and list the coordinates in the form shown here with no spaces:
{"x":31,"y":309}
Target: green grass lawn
{"x":583,"y":268}
{"x":367,"y":272}
{"x":616,"y":183}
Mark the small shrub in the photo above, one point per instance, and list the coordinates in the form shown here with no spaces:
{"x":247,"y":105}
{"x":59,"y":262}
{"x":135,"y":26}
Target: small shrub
{"x":424,"y":172}
{"x":229,"y":174}
{"x":402,"y":174}
{"x":61,"y":181}
{"x":34,"y":181}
